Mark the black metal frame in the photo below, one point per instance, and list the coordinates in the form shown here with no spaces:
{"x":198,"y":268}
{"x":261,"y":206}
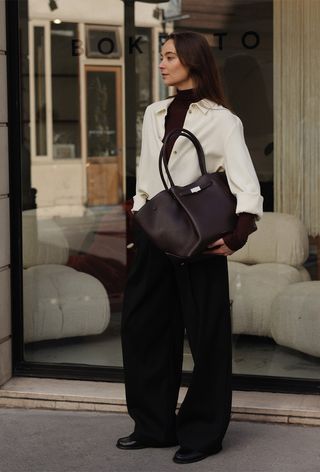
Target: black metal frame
{"x":72,"y":371}
{"x":14,"y":139}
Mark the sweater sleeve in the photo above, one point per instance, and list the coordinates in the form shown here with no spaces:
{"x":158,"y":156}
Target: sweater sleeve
{"x":240,"y":172}
{"x":245,"y":226}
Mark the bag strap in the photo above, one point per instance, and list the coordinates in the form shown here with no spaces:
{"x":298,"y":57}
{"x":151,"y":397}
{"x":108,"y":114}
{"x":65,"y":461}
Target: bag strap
{"x":187,"y":134}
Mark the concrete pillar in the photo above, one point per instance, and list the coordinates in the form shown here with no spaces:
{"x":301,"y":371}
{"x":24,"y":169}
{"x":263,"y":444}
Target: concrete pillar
{"x":5,"y":308}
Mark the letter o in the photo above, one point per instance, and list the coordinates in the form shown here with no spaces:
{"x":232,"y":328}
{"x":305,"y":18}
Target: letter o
{"x":250,"y":33}
{"x":111,"y":45}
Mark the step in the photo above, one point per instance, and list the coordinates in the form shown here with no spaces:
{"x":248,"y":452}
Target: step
{"x":58,"y":394}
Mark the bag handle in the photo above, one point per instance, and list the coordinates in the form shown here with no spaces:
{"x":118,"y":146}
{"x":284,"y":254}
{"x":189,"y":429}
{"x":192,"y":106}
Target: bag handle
{"x":187,"y":134}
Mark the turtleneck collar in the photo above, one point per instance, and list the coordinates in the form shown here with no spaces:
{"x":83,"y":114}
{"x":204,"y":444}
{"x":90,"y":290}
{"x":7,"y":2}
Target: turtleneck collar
{"x":187,"y":95}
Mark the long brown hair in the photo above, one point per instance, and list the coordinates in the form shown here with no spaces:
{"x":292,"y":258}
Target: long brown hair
{"x":194,"y":52}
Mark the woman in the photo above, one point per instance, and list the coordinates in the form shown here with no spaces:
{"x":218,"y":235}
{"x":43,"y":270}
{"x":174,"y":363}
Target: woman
{"x":164,"y":298}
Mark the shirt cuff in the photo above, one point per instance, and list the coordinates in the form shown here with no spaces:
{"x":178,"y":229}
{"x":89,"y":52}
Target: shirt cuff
{"x":138,"y":202}
{"x":250,"y":203}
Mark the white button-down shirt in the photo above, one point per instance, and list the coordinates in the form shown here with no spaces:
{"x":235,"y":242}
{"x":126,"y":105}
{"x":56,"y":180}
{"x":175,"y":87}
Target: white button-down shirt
{"x":220,"y":133}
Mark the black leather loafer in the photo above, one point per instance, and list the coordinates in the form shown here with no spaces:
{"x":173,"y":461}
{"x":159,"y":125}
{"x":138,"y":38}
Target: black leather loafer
{"x":129,"y":442}
{"x":185,"y":456}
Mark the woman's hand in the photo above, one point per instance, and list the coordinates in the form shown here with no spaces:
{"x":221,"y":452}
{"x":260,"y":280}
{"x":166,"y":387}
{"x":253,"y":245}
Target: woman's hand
{"x":220,"y":248}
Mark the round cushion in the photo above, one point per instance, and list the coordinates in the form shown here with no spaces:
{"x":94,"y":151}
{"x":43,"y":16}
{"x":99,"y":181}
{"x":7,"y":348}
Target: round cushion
{"x":252,"y":290}
{"x":61,"y":302}
{"x":280,"y":237}
{"x":295,"y":320}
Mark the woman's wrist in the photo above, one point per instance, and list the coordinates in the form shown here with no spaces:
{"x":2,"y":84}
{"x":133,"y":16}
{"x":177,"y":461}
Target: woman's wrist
{"x":245,"y":226}
{"x":231,"y":240}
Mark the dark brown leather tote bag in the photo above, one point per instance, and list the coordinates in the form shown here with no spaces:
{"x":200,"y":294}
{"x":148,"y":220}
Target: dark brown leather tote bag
{"x":182,"y":221}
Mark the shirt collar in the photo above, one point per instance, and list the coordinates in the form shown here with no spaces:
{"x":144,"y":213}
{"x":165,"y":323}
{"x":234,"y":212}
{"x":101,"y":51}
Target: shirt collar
{"x":204,"y":105}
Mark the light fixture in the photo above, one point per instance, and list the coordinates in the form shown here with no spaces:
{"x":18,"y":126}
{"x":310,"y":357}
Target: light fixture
{"x":57,"y":21}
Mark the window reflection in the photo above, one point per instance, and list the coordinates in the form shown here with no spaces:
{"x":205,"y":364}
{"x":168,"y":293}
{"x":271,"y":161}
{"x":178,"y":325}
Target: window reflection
{"x":75,"y":242}
{"x":104,"y":135}
{"x":40,"y":91}
{"x":101,"y":114}
{"x":65,"y":92}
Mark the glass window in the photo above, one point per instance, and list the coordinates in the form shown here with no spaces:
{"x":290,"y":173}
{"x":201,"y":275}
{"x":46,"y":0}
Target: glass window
{"x":144,"y":79}
{"x":101,"y":113}
{"x":76,"y":229}
{"x":40,"y":91}
{"x":65,"y":92}
{"x":104,"y":134}
{"x":274,"y":284}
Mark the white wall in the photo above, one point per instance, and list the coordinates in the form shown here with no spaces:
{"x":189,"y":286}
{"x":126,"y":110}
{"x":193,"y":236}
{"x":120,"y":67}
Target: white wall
{"x":109,"y":12}
{"x":5,"y":308}
{"x":58,"y":184}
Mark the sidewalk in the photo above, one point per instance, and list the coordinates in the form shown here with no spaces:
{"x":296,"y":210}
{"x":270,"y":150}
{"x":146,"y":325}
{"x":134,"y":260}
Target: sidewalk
{"x":65,"y":441}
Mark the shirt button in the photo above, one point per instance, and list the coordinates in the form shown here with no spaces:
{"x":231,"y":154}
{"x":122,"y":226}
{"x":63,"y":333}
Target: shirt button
{"x":190,"y":111}
{"x":174,"y":152}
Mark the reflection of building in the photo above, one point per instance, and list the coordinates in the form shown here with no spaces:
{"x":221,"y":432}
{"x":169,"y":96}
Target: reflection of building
{"x":76,"y":72}
{"x":75,"y":117}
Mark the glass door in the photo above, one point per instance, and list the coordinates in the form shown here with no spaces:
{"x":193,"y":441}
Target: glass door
{"x":104,"y":136}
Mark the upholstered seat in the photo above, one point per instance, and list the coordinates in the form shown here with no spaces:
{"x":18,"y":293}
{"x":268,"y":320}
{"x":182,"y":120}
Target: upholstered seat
{"x":271,"y":261}
{"x":295,"y":317}
{"x":59,"y":301}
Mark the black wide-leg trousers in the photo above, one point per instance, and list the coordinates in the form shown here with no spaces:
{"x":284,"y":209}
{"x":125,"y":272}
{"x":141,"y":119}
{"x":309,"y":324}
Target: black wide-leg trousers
{"x":162,"y":299}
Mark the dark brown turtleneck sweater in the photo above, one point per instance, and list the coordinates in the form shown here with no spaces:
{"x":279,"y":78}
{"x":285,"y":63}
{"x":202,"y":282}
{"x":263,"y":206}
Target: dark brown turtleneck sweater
{"x":175,"y":119}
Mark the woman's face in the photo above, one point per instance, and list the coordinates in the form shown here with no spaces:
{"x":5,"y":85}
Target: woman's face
{"x":172,"y":70}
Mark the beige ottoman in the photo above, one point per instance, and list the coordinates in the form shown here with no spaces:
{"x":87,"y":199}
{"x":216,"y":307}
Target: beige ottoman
{"x":263,"y":268}
{"x":295,"y":318}
{"x":60,"y":302}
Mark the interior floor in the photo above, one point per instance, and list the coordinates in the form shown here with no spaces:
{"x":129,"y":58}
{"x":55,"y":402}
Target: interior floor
{"x":253,"y":355}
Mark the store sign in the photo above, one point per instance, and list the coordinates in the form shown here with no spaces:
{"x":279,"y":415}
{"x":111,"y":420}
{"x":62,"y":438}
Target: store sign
{"x":249,"y":39}
{"x":106,"y":46}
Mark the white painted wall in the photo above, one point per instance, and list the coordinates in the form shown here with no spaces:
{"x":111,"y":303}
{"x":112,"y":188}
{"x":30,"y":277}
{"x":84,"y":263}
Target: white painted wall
{"x":5,"y":308}
{"x":58,"y":184}
{"x":109,"y":12}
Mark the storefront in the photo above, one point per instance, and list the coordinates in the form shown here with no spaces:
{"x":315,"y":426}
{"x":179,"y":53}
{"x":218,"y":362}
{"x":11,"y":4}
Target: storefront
{"x":73,"y":150}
